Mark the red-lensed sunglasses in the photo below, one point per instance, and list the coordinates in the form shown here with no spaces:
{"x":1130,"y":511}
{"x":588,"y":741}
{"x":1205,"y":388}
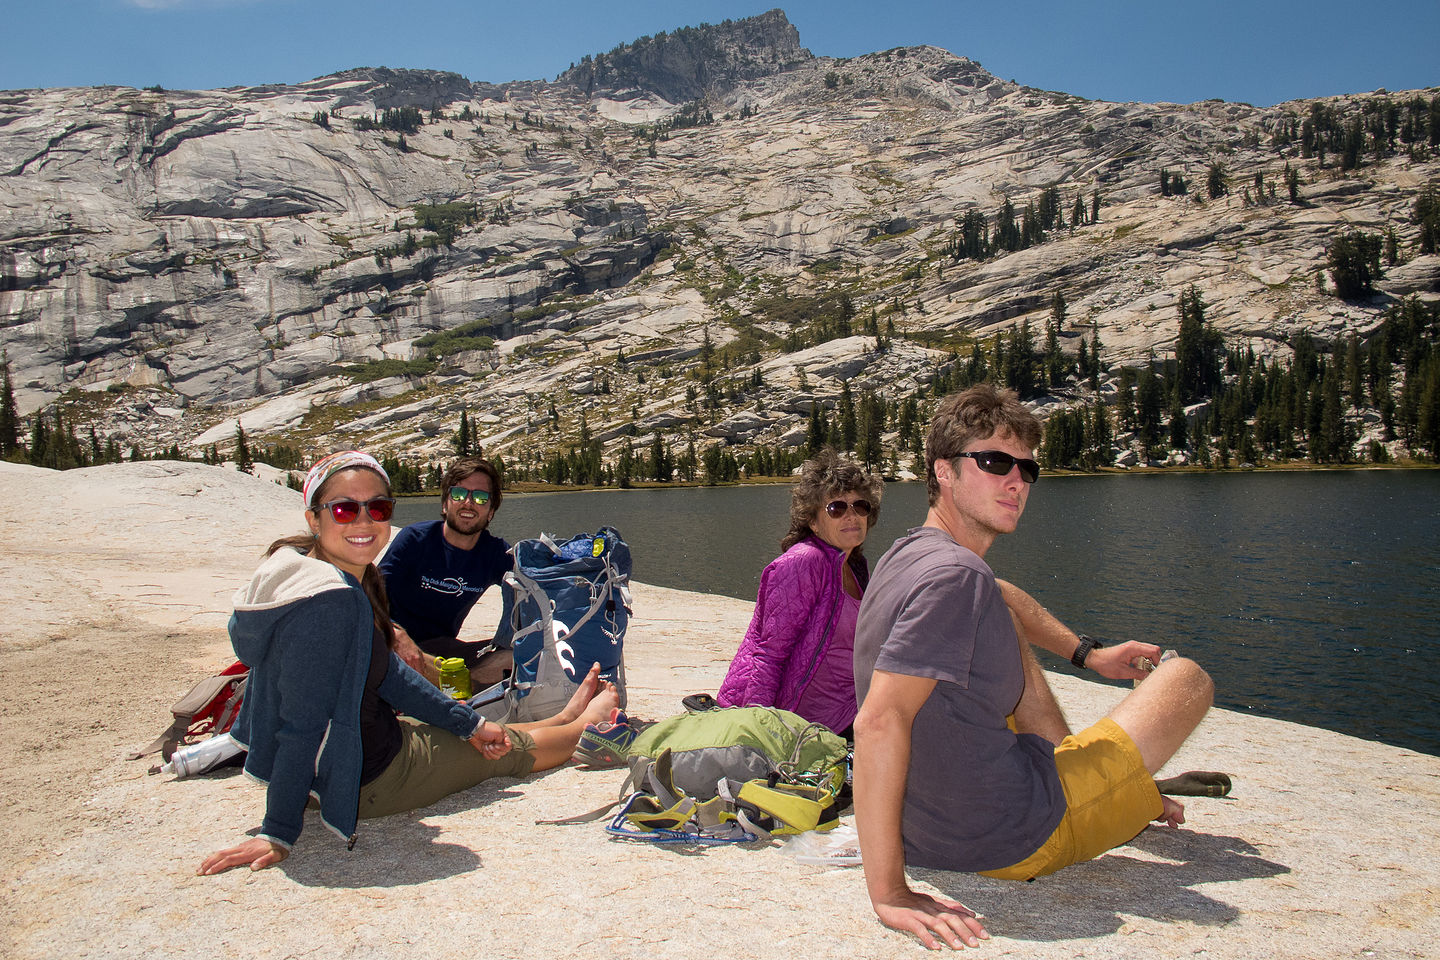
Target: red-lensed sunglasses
{"x":348,"y":511}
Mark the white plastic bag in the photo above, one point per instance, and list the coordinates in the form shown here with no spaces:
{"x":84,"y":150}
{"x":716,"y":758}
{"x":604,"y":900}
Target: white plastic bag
{"x":839,"y":847}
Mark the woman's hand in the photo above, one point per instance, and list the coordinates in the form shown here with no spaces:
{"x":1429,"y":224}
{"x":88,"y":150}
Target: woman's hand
{"x":491,"y":740}
{"x":259,"y":853}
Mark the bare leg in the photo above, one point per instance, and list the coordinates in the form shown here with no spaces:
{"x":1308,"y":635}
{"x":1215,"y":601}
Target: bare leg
{"x":1165,"y":709}
{"x":1037,"y":712}
{"x":555,"y":742}
{"x":581,"y":698}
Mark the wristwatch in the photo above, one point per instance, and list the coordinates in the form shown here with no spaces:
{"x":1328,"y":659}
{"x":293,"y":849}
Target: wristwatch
{"x":1083,"y":648}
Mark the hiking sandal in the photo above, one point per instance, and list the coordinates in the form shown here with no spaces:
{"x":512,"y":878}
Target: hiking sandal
{"x":1196,"y":783}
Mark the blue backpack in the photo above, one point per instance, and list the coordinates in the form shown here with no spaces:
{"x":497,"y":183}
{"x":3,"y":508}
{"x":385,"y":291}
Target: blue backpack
{"x":568,"y":605}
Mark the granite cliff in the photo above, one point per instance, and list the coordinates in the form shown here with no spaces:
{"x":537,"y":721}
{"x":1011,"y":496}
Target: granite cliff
{"x":651,"y":241}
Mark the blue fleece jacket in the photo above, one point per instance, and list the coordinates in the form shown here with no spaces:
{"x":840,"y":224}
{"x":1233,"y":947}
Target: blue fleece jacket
{"x":304,"y":628}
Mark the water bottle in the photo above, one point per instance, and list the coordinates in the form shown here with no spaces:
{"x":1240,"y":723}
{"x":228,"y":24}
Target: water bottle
{"x":199,"y":757}
{"x":454,"y":677}
{"x":1146,"y":664}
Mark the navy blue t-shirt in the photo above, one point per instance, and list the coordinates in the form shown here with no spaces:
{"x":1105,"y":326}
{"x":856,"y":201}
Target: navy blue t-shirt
{"x":433,"y":585}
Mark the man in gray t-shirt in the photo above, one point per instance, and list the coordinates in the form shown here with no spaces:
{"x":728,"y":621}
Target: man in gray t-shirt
{"x":963,"y":760}
{"x":933,"y":610}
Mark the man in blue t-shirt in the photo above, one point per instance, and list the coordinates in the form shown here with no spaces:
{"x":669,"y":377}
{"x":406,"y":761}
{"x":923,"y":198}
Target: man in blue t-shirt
{"x":435,"y":572}
{"x":963,"y":759}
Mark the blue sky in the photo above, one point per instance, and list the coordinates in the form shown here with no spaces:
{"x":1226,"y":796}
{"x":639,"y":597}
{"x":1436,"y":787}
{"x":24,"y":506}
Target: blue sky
{"x":1259,"y":51}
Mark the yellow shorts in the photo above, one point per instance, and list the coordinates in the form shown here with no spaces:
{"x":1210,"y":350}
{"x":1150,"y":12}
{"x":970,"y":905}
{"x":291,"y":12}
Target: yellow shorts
{"x":1109,"y":798}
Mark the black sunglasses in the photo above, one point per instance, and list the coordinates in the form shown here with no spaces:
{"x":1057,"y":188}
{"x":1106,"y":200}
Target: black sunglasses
{"x":999,"y":463}
{"x":348,"y":511}
{"x":477,"y":497}
{"x":837,"y":508}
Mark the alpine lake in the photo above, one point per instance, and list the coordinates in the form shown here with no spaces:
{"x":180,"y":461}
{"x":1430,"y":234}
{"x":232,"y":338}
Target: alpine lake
{"x":1310,"y":596}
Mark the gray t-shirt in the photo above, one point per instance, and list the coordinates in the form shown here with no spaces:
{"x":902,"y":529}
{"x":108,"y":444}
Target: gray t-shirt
{"x":978,"y":797}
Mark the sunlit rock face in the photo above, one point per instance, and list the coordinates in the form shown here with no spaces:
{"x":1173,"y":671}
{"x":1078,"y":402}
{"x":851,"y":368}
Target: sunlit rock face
{"x":643,"y":241}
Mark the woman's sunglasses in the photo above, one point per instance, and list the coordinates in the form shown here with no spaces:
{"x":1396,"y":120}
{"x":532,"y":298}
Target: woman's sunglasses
{"x":837,"y":508}
{"x":477,"y":497}
{"x":999,"y":463}
{"x":347,"y":511}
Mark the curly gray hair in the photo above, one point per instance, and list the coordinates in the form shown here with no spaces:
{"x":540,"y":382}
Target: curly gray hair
{"x":824,"y":477}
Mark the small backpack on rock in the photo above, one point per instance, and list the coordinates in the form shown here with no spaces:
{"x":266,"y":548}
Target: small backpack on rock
{"x":207,"y":710}
{"x":729,"y":775}
{"x":567,"y":606}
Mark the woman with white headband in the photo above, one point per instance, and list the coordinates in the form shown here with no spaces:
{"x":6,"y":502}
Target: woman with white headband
{"x":319,"y":715}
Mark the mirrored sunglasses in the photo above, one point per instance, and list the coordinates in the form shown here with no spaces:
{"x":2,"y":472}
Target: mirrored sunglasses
{"x":347,"y":511}
{"x":837,"y":508}
{"x":477,"y":497}
{"x":998,"y":462}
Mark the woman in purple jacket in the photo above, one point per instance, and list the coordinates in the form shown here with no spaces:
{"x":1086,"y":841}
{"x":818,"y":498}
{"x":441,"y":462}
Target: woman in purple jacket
{"x":798,"y":652}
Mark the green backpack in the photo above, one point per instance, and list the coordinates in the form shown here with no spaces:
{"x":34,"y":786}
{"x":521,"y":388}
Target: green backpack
{"x":731,"y":775}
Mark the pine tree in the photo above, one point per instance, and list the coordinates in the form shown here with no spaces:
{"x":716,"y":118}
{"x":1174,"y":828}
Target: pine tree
{"x":871,"y":425}
{"x":1125,"y":415}
{"x":815,"y":436}
{"x":1149,"y":402}
{"x":661,"y":465}
{"x":1217,"y":184}
{"x":1197,"y":351}
{"x":1427,"y":419}
{"x":1100,"y":437}
{"x":1354,"y":378}
{"x":625,"y":466}
{"x":1292,"y":183}
{"x":1354,"y":263}
{"x":462,"y":436}
{"x":9,"y":415}
{"x":1054,"y":359}
{"x":1097,"y":364}
{"x":1179,"y":424}
{"x":244,"y":462}
{"x":39,"y":440}
{"x":846,"y":417}
{"x":1329,"y":445}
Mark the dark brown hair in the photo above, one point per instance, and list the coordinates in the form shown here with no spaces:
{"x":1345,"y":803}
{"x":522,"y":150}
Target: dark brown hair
{"x":373,"y":583}
{"x":974,"y":414}
{"x":465,"y":466}
{"x":823,"y":477}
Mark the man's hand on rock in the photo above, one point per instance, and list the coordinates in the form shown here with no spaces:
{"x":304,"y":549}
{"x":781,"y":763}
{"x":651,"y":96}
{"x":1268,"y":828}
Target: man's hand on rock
{"x":932,"y":919}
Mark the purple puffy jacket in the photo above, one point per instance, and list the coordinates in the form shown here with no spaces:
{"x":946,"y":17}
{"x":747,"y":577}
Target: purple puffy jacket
{"x":791,"y":631}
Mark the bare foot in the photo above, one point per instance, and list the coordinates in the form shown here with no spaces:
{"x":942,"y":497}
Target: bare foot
{"x":602,"y":706}
{"x":584,"y":693}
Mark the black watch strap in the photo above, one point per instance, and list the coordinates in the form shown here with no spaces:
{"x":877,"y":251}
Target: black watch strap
{"x":1082,"y":650}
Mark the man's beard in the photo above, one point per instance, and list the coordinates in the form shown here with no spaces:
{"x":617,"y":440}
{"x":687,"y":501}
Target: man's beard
{"x":475,"y":526}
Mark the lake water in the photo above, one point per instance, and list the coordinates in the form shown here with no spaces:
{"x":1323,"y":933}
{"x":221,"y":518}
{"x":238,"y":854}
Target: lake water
{"x":1311,"y":596}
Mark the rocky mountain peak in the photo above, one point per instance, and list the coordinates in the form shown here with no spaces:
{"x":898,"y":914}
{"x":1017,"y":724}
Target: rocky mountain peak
{"x":389,"y":89}
{"x":693,"y":61}
{"x":622,"y":265}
